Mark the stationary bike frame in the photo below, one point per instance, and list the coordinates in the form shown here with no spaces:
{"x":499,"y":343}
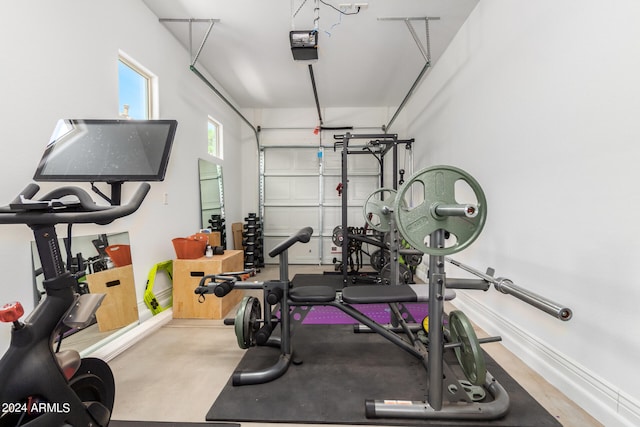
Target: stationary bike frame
{"x":55,"y":391}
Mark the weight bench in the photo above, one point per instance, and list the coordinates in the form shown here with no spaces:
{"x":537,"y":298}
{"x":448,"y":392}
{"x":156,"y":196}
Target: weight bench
{"x":427,"y":226}
{"x":278,"y":299}
{"x":344,"y":300}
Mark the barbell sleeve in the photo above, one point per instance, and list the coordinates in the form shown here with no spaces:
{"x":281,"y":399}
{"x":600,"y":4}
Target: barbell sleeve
{"x":477,"y":284}
{"x":468,"y":210}
{"x":506,"y":286}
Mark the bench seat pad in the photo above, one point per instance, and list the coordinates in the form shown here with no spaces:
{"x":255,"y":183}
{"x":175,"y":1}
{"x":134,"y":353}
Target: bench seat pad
{"x":373,"y":294}
{"x":314,"y":294}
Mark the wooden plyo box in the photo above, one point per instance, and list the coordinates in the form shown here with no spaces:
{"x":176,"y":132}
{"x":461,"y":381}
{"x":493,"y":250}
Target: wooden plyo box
{"x":120,"y":306}
{"x":215,"y":239}
{"x":236,"y":229}
{"x":186,"y":277}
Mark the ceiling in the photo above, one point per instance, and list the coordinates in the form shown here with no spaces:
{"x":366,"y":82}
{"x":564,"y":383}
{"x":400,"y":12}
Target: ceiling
{"x":363,"y":61}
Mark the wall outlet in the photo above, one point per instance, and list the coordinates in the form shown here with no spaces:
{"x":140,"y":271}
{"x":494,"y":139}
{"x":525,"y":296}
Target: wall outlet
{"x":361,"y":6}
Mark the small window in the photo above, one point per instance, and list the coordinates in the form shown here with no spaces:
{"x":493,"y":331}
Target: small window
{"x":134,"y":91}
{"x":214,"y":146}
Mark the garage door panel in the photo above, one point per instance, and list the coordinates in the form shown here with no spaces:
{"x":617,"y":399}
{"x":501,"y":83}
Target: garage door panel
{"x":331,"y":162}
{"x":295,"y":197}
{"x":330,"y":252}
{"x":289,"y":191}
{"x":359,"y":189}
{"x":333,"y":217}
{"x":285,"y":221}
{"x":361,"y":163}
{"x":296,"y":160}
{"x":300,"y":253}
{"x":330,"y":184}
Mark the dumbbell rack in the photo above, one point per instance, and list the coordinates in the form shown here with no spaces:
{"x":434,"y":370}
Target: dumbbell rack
{"x":252,"y":242}
{"x":217,"y":223}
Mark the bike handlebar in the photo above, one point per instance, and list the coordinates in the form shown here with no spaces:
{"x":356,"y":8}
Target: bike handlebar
{"x":49,"y":210}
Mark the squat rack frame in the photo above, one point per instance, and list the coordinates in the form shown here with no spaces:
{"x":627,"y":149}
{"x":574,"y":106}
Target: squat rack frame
{"x":379,"y":145}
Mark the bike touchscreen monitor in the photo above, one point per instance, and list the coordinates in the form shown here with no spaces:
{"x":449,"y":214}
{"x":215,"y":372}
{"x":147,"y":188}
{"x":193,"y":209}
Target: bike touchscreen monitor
{"x":107,"y":151}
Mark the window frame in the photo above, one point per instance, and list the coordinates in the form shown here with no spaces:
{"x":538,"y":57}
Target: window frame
{"x":151,"y":85}
{"x":219,"y":131}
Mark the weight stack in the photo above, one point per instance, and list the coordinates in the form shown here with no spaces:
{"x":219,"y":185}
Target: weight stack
{"x":252,"y":242}
{"x":216,"y":223}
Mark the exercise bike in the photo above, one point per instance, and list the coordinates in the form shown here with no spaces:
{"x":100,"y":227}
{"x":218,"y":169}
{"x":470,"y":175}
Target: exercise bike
{"x":40,"y":387}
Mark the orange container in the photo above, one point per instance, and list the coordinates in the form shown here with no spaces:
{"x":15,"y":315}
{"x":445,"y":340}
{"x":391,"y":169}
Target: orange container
{"x":119,"y":254}
{"x":191,"y":247}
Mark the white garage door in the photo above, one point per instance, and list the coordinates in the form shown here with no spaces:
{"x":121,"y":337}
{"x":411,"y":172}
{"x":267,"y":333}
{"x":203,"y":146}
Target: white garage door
{"x":299,"y":185}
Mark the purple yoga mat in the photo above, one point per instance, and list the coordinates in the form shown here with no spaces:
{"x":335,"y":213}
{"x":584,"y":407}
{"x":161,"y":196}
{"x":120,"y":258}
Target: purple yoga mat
{"x":327,"y":315}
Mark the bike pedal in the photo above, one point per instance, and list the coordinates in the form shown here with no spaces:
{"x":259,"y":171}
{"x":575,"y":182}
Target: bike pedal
{"x":99,"y":412}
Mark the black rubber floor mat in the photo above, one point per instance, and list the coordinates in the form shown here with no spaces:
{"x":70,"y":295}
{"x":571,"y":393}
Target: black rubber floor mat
{"x":340,"y":370}
{"x":116,"y":423}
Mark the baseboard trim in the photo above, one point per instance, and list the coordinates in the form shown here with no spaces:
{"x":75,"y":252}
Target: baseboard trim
{"x":129,"y":337}
{"x":164,"y":298}
{"x":600,"y":399}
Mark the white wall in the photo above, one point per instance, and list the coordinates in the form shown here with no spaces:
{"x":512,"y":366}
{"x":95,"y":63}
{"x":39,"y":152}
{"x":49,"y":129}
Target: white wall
{"x":60,"y":61}
{"x":540,"y":102}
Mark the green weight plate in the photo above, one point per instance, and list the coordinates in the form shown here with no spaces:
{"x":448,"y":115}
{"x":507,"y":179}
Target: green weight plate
{"x":377,"y":209}
{"x":470,"y":354}
{"x":245,"y":321}
{"x":439,"y":188}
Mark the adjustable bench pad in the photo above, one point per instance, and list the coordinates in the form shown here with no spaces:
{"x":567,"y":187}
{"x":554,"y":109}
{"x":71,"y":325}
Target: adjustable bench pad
{"x":312,"y":294}
{"x":366,"y":294}
{"x":372,"y":294}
